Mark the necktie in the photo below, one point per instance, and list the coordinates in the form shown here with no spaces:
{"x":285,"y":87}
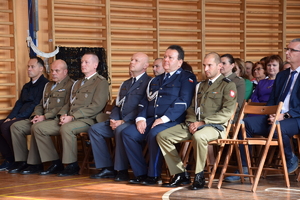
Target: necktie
{"x":288,"y":86}
{"x":166,"y":77}
{"x":133,"y":82}
{"x":209,"y":83}
{"x":83,"y":81}
{"x":53,"y":86}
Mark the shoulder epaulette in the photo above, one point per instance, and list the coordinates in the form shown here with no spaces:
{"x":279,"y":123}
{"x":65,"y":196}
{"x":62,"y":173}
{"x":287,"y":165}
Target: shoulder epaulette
{"x":227,"y":80}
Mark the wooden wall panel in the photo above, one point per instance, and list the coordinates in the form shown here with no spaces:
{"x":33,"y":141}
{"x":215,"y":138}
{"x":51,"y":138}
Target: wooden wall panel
{"x":8,"y":73}
{"x":249,"y":29}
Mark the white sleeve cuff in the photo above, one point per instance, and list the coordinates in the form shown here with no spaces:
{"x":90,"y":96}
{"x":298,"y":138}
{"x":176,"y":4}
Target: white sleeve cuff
{"x":140,"y":119}
{"x":165,"y":119}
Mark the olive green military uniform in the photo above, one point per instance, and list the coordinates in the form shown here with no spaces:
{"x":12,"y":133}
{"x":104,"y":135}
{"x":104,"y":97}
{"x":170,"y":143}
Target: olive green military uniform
{"x":86,"y":101}
{"x":212,"y":104}
{"x":51,"y":102}
{"x":241,"y":90}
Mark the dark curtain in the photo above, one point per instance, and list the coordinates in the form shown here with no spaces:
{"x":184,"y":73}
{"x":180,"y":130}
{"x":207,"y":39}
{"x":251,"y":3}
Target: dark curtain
{"x":72,"y":56}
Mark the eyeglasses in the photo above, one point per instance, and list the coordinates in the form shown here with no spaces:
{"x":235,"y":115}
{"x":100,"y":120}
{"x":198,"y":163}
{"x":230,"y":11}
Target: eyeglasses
{"x":291,"y":50}
{"x":257,"y":69}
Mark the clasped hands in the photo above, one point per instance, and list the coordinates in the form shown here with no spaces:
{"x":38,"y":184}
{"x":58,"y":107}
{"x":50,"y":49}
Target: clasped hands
{"x":193,"y":127}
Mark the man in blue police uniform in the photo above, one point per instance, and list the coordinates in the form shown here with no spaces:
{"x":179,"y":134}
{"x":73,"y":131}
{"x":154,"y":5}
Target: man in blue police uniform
{"x":168,"y":96}
{"x":122,"y":115}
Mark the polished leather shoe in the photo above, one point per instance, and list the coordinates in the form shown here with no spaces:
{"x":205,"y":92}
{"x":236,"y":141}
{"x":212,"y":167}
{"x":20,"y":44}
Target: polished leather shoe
{"x":138,"y":179}
{"x":122,"y":176}
{"x":53,"y":169}
{"x":104,"y":173}
{"x":151,"y":180}
{"x":32,"y":169}
{"x":18,"y":167}
{"x":178,"y":180}
{"x":199,"y":181}
{"x":69,"y":171}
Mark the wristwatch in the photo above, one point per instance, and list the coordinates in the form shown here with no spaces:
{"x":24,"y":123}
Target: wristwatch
{"x":286,"y":115}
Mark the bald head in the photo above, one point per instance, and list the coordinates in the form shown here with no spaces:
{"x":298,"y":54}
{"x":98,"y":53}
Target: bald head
{"x":138,"y":64}
{"x":59,"y":70}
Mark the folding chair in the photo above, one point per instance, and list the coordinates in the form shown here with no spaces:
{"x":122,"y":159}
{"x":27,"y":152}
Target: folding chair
{"x":265,"y":142}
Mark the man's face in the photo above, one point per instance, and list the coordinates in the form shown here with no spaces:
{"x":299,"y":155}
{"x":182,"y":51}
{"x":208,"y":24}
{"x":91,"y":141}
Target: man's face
{"x":170,"y":60}
{"x":58,"y":72}
{"x":88,"y":65}
{"x":211,"y":68}
{"x":138,"y":64}
{"x":293,"y":57}
{"x":34,"y":70}
{"x":157,"y":67}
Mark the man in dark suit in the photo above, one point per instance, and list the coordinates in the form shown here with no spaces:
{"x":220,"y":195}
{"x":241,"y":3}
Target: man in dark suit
{"x":286,"y":88}
{"x":123,"y":114}
{"x":30,"y":96}
{"x":56,"y":94}
{"x":168,"y":96}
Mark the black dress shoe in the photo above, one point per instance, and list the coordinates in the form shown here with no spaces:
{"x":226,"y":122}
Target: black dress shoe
{"x":199,"y":181}
{"x":69,"y":171}
{"x":151,"y":180}
{"x":122,"y":176}
{"x":53,"y":169}
{"x":18,"y":167}
{"x":32,"y":169}
{"x":178,"y":180}
{"x":138,"y":179}
{"x":104,"y":173}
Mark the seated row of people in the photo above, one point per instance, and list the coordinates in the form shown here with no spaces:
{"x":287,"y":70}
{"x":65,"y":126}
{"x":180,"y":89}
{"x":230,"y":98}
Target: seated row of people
{"x":162,"y":111}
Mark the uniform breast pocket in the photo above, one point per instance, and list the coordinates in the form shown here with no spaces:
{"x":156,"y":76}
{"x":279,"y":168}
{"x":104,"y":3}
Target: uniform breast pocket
{"x":214,"y":99}
{"x":173,"y":89}
{"x":59,"y":97}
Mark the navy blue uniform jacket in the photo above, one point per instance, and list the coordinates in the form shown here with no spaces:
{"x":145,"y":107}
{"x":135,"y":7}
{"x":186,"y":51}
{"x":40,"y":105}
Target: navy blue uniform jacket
{"x":171,"y":98}
{"x":129,"y":98}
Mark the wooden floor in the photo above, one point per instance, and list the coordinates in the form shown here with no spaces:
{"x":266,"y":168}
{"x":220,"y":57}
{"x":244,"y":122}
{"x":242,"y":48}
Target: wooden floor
{"x":34,"y":187}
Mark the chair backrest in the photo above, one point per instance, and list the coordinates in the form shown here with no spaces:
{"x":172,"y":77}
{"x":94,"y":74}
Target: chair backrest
{"x":231,"y":122}
{"x":264,"y":110}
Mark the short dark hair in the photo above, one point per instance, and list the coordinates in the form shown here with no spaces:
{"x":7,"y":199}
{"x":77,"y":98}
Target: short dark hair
{"x":230,"y":58}
{"x":39,"y":61}
{"x":179,"y":50}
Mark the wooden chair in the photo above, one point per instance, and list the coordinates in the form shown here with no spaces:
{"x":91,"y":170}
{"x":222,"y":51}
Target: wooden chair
{"x":297,"y":137}
{"x":265,"y":142}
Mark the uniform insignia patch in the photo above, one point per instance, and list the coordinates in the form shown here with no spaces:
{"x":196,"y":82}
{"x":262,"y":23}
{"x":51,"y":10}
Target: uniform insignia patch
{"x":232,"y":93}
{"x":191,"y":80}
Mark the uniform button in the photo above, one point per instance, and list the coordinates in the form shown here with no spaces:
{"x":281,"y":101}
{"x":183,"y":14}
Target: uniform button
{"x":160,"y":96}
{"x":160,"y":88}
{"x":155,"y":116}
{"x":156,"y":105}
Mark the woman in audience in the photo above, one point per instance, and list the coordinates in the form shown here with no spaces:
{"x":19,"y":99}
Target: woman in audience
{"x":263,"y":90}
{"x":241,"y":72}
{"x":249,"y":66}
{"x":258,"y":72}
{"x":228,"y":65}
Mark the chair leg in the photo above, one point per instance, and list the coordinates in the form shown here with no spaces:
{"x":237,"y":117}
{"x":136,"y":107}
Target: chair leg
{"x":215,"y":166}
